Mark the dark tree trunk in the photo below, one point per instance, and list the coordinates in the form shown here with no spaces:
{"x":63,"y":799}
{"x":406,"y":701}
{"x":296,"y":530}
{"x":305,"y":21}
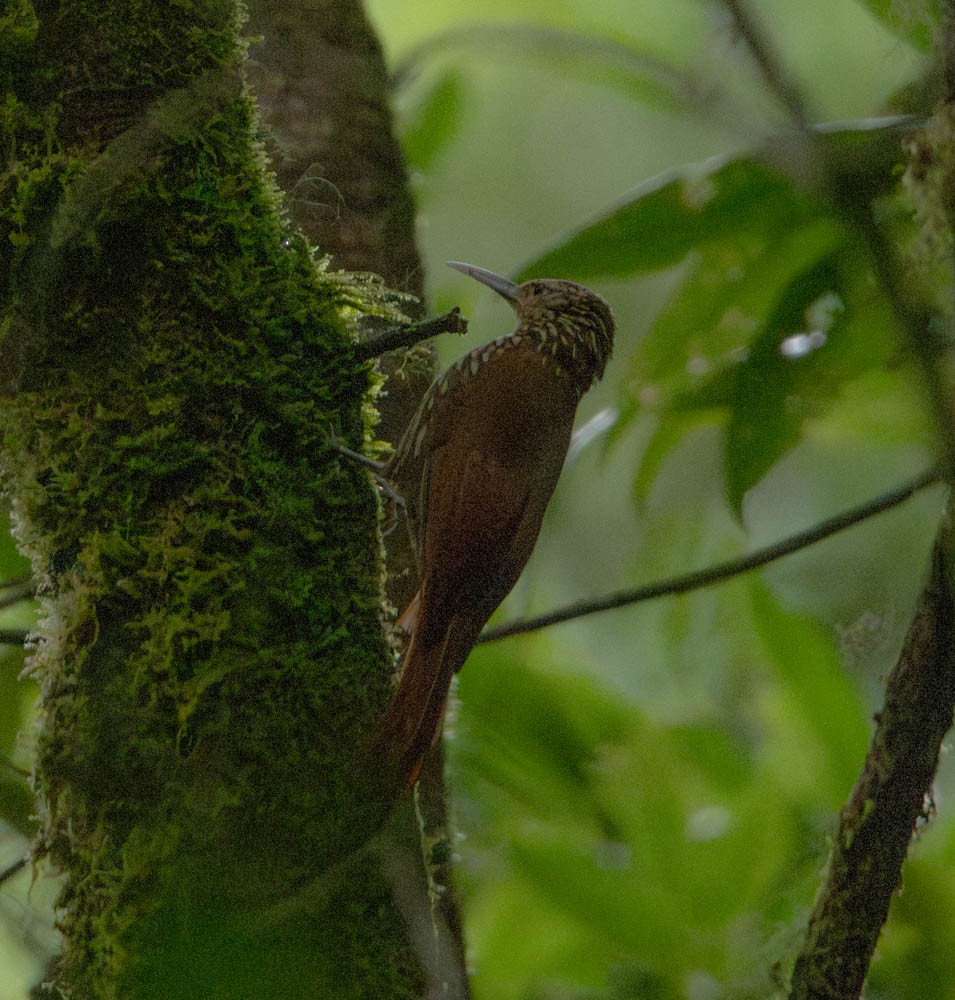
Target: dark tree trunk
{"x":211,"y":652}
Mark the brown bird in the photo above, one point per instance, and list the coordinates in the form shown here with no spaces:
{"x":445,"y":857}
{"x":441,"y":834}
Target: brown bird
{"x":477,"y":467}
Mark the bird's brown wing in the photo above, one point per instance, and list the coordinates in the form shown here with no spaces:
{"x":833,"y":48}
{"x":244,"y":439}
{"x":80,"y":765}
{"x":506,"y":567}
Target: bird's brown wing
{"x":465,"y":577}
{"x":485,"y":482}
{"x":482,"y":517}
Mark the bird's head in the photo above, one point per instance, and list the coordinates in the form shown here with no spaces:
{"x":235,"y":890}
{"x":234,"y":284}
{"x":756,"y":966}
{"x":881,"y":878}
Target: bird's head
{"x":565,"y":319}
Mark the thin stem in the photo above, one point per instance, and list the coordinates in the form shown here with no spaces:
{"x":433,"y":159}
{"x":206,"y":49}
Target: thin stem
{"x":723,"y":571}
{"x":18,"y":589}
{"x":769,"y":62}
{"x":12,"y":869}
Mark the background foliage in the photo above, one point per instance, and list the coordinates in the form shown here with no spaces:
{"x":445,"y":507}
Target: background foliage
{"x":645,"y":795}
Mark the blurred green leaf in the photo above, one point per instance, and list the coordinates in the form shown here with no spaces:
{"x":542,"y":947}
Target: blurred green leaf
{"x":761,"y":257}
{"x":820,"y":724}
{"x":829,"y":326}
{"x":433,"y":122}
{"x":657,"y":224}
{"x":613,"y":62}
{"x":17,"y":696}
{"x":669,"y":432}
{"x":16,"y":705}
{"x":630,"y":830}
{"x":723,"y":302}
{"x":915,"y":950}
{"x":912,"y":21}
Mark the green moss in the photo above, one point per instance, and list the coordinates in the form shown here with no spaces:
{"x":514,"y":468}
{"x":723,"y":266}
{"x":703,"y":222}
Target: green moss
{"x":175,"y":358}
{"x":18,"y":25}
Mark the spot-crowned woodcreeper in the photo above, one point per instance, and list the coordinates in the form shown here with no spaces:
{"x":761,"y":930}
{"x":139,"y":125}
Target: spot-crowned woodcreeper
{"x":477,"y":467}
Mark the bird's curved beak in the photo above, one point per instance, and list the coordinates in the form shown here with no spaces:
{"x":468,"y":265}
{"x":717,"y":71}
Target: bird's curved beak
{"x":500,"y":284}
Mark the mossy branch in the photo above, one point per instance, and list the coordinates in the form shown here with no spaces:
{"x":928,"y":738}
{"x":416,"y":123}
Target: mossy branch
{"x":402,"y":337}
{"x":891,"y":798}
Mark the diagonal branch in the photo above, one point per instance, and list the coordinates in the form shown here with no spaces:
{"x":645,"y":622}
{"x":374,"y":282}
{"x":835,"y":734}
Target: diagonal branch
{"x":892,"y":794}
{"x":723,"y":571}
{"x":768,"y":61}
{"x":696,"y":580}
{"x":891,"y":797}
{"x":13,"y":868}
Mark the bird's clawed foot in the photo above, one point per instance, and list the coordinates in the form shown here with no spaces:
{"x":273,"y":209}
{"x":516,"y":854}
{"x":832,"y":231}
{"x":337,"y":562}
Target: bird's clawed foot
{"x":379,"y":473}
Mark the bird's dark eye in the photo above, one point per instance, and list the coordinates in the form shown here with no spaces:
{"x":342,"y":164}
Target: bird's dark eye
{"x":538,"y":288}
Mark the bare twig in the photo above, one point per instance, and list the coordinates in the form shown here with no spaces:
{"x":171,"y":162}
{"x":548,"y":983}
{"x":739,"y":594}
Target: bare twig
{"x":414,"y":333}
{"x":723,"y":571}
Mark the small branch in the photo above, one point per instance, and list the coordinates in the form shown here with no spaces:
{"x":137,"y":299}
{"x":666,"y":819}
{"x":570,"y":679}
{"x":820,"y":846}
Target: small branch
{"x":13,"y":636}
{"x":12,"y":869}
{"x":769,"y":62}
{"x":10,"y":766}
{"x":407,"y":336}
{"x":891,"y":798}
{"x":13,"y":591}
{"x":375,"y":466}
{"x":723,"y":571}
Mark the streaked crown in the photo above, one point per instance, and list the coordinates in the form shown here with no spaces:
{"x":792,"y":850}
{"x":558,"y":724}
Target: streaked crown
{"x":564,"y":320}
{"x":570,"y":322}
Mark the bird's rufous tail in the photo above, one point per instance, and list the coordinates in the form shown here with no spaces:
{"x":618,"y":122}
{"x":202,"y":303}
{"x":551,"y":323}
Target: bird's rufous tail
{"x":411,"y":722}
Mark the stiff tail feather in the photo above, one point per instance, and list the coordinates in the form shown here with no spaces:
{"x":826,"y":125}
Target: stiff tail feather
{"x":411,"y":722}
{"x":412,"y":719}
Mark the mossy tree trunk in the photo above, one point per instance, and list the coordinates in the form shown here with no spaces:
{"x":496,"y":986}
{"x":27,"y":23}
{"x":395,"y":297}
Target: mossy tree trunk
{"x":210,"y":650}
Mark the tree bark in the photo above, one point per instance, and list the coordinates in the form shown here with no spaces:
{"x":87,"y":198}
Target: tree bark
{"x":210,"y":650}
{"x":891,"y":799}
{"x":320,"y":78}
